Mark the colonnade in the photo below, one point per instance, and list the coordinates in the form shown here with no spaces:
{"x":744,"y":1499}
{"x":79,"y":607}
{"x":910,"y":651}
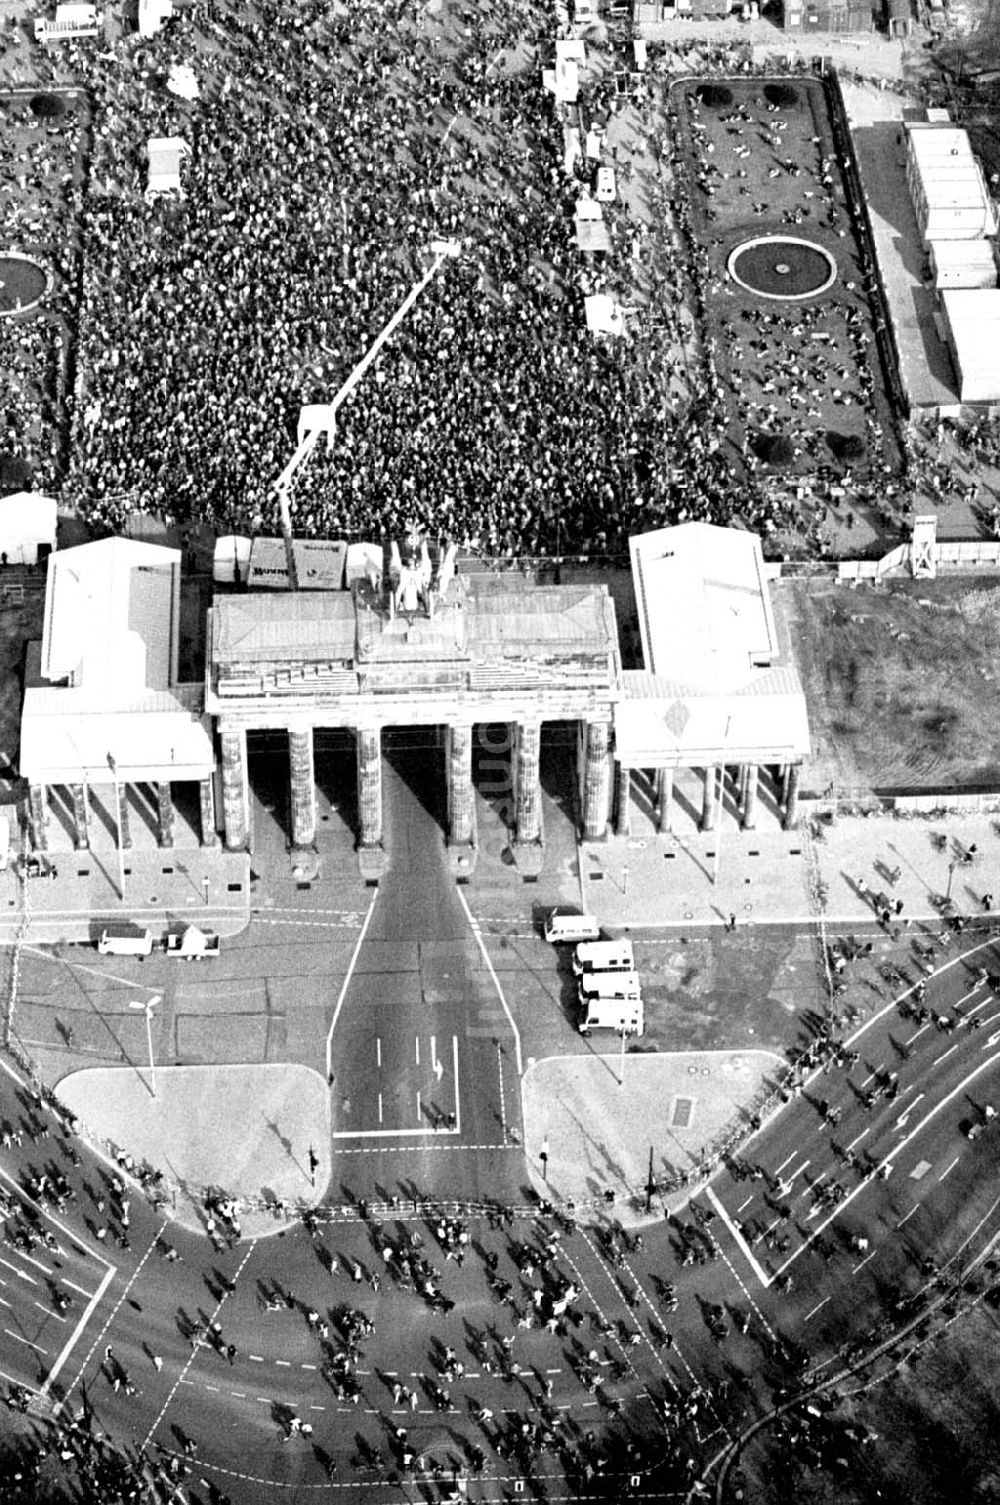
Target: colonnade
{"x":39,"y":796}
{"x":525,"y":787}
{"x":746,"y":782}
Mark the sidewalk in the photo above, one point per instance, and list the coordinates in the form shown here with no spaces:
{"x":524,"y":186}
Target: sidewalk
{"x":205,"y":886}
{"x":600,"y":1125}
{"x":244,"y":1130}
{"x":765,"y":877}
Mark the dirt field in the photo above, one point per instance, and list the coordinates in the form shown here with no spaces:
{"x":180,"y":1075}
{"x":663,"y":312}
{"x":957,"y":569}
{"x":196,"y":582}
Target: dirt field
{"x":901,"y":682}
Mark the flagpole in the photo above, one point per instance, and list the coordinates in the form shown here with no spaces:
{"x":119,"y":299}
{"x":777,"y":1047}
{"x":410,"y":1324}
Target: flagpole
{"x":118,"y":827}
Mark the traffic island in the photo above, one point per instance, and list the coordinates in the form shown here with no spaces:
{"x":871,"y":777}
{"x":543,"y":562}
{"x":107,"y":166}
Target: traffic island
{"x":599,"y":1128}
{"x":259,"y":1134}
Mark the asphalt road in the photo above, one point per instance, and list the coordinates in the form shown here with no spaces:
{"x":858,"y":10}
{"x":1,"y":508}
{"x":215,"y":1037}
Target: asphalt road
{"x":418,"y":977}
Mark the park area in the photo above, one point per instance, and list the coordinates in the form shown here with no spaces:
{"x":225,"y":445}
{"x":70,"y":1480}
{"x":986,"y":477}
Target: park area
{"x":790,"y":290}
{"x":901,"y":682}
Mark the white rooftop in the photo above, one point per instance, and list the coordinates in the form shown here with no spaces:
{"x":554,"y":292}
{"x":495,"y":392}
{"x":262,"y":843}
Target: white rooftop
{"x":704,"y":607}
{"x":715,"y":681}
{"x":973,"y":318}
{"x":111,"y":619}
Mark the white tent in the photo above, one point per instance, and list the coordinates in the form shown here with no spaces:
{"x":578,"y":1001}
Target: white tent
{"x":27,"y":524}
{"x":231,"y":561}
{"x":165,"y":155}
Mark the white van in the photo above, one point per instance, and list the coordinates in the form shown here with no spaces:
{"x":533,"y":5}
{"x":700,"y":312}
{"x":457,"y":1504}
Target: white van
{"x":603,"y":956}
{"x":123,"y":939}
{"x":608,"y":985}
{"x":560,"y":927}
{"x":624,"y":1015}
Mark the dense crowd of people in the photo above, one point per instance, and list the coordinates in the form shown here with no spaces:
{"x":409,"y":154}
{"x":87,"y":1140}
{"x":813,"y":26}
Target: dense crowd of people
{"x":495,"y":416}
{"x":327,"y":150}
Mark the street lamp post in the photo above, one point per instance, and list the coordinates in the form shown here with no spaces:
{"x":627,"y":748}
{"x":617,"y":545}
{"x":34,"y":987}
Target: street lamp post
{"x":147,"y":1007}
{"x":443,"y":251}
{"x":953,"y":864}
{"x":205,"y":886}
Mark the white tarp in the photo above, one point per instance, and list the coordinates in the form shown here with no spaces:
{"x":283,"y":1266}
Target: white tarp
{"x":152,"y":14}
{"x":604,"y":315}
{"x":181,"y":81}
{"x":571,"y":148}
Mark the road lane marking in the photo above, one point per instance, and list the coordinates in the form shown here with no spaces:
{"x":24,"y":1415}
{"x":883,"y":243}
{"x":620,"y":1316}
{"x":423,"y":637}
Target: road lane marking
{"x":859,"y":1137}
{"x":416,"y":1047}
{"x":951,"y":1167}
{"x":346,"y":984}
{"x":255,"y":1358}
{"x":778,"y":1169}
{"x":74,"y":1287}
{"x":378,"y":1051}
{"x":283,"y":1363}
{"x":50,"y":1313}
{"x":907,"y":1216}
{"x":380,"y":1107}
{"x":796,"y":1173}
{"x":746,"y":1203}
{"x":948,"y":1052}
{"x":864,"y":1262}
{"x":27,"y":1342}
{"x":889,"y":1159}
{"x":819,"y":1307}
{"x":21,"y":1274}
{"x":751,"y":1259}
{"x":474,"y":924}
{"x":904,"y":1118}
{"x":214,"y":1317}
{"x":85,"y":1316}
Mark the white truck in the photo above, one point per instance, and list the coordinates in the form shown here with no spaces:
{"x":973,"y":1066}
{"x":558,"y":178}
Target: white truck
{"x":603,"y":956}
{"x":562,"y":928}
{"x":623,"y":1015}
{"x":124,"y":939}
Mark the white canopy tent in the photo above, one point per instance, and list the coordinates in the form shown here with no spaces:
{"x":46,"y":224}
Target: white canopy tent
{"x":27,"y":527}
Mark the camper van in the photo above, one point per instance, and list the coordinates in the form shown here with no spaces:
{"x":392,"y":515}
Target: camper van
{"x":603,"y":956}
{"x":569,"y":928}
{"x":624,"y":1015}
{"x":608,"y":985}
{"x":124,"y":940}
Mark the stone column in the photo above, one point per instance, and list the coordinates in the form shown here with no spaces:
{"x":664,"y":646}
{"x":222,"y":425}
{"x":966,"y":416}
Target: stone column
{"x":460,"y":796}
{"x":81,"y":815}
{"x":596,"y":780}
{"x":206,"y":794}
{"x":750,"y":799}
{"x":710,"y":804}
{"x":369,"y":740}
{"x":38,"y":798}
{"x":124,"y":822}
{"x":303,"y":785}
{"x":527,"y":789}
{"x":165,"y":813}
{"x":664,"y":799}
{"x":791,"y":796}
{"x":234,"y":786}
{"x":623,"y":801}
